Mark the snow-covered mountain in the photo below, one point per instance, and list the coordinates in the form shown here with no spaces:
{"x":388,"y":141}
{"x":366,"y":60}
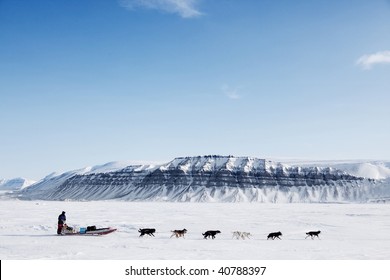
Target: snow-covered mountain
{"x":211,"y":179}
{"x":56,"y":179}
{"x":361,"y":168}
{"x":15,"y":184}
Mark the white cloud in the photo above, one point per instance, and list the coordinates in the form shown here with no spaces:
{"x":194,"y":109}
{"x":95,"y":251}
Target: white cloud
{"x":369,"y":60}
{"x":231,"y":93}
{"x":184,"y":8}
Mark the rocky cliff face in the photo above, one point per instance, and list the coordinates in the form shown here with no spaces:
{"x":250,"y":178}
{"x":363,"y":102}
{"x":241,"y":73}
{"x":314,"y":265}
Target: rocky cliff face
{"x":211,"y":179}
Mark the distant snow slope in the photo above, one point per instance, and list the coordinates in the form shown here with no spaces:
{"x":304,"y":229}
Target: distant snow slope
{"x":375,"y":170}
{"x":15,"y":184}
{"x":217,"y":179}
{"x":361,"y":168}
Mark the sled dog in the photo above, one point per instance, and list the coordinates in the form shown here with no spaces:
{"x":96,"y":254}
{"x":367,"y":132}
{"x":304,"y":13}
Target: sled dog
{"x":148,"y":231}
{"x":241,"y":234}
{"x":210,"y":233}
{"x":313,"y":234}
{"x":178,"y":233}
{"x":274,"y":235}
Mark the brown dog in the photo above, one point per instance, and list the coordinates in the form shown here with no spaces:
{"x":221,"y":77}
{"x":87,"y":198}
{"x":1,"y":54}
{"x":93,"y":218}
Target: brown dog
{"x":178,"y":233}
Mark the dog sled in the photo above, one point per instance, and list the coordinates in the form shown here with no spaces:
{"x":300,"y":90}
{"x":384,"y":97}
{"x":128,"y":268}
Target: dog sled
{"x":90,"y":230}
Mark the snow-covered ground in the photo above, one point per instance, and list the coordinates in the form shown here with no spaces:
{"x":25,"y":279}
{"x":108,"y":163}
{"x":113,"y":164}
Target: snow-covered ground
{"x":349,"y":231}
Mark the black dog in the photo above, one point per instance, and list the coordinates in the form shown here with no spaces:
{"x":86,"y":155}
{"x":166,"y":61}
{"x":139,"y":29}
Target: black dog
{"x":148,"y":231}
{"x":274,"y":235}
{"x":211,"y":233}
{"x":313,"y":234}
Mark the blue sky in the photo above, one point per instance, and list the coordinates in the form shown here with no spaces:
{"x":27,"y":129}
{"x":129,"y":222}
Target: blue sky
{"x":88,"y":82}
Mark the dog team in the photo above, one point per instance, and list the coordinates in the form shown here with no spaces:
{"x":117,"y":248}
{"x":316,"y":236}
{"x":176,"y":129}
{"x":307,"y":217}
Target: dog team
{"x":212,"y":233}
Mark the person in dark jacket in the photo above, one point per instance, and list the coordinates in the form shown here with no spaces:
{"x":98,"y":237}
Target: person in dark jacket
{"x":61,"y":222}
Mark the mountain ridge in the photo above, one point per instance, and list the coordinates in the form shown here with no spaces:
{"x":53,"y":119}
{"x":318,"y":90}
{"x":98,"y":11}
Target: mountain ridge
{"x":210,"y":179}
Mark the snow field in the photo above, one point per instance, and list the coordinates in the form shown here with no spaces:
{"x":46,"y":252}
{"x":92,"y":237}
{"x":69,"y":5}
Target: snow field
{"x":349,"y":231}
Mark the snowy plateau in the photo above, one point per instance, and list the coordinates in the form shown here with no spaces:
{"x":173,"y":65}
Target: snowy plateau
{"x":345,"y":200}
{"x":219,"y":179}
